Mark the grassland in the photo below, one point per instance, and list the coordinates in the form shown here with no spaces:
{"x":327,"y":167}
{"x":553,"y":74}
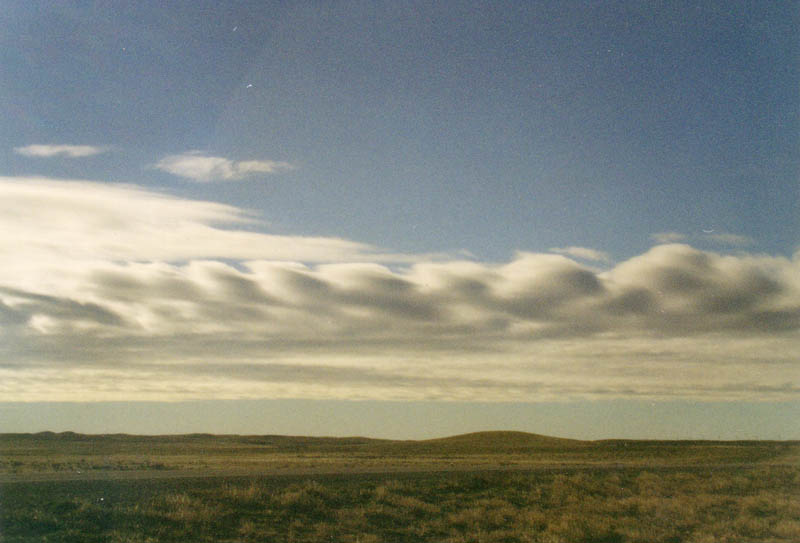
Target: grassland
{"x":495,"y":486}
{"x":72,"y":453}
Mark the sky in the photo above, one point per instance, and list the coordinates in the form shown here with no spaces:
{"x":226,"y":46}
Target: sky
{"x":401,"y":219}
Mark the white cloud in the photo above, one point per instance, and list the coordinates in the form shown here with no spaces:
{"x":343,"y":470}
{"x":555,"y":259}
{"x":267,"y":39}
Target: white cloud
{"x":70,"y":151}
{"x":673,"y":322}
{"x":583,"y":253}
{"x":112,"y":291}
{"x":199,"y":167}
{"x":668,"y":237}
{"x":42,"y":217}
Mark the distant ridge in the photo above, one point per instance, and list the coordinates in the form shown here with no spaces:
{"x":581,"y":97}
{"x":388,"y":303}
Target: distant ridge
{"x":484,"y":442}
{"x":487,"y":442}
{"x":499,"y":441}
{"x":505,"y":438}
{"x":484,"y":447}
{"x":489,"y":437}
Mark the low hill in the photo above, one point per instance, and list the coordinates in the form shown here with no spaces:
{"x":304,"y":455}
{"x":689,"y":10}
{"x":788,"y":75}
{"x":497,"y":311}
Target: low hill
{"x":501,"y":441}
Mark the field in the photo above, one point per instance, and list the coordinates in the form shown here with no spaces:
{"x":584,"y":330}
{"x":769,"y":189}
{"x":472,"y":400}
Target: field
{"x":490,"y":486}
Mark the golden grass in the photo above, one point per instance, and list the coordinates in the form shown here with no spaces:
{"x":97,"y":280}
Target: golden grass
{"x":589,"y":506}
{"x":551,"y":491}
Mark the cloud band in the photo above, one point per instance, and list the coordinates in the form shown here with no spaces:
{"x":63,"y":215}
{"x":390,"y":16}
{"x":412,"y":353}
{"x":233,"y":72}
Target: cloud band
{"x":114,"y":290}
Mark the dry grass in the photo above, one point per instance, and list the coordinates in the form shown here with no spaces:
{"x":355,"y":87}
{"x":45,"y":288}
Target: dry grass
{"x":576,"y":492}
{"x":626,"y":505}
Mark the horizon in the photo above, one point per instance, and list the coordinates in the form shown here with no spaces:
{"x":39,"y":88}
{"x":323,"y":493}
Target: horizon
{"x":589,"y":420}
{"x":407,"y":218}
{"x":486,"y":433}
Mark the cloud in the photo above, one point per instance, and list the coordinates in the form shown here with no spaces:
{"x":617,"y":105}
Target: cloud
{"x":725,"y":238}
{"x":46,"y":218}
{"x":199,"y":167}
{"x":112,"y":291}
{"x":719,"y":238}
{"x":684,"y":291}
{"x":70,"y":151}
{"x":582,"y":253}
{"x":667,"y":237}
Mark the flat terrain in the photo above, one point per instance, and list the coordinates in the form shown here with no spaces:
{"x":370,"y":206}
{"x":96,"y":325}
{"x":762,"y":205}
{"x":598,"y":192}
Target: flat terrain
{"x":488,"y":486}
{"x":69,"y":455}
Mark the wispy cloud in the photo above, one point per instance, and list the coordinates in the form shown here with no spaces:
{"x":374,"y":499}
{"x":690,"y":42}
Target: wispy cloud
{"x":81,"y":219}
{"x":200,"y":167}
{"x":70,"y":151}
{"x":719,"y":238}
{"x":583,"y":253}
{"x":726,"y":238}
{"x":111,"y":291}
{"x":668,"y":237}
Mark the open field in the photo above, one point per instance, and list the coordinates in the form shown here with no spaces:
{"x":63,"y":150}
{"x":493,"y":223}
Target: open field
{"x":72,"y":453}
{"x":495,"y":486}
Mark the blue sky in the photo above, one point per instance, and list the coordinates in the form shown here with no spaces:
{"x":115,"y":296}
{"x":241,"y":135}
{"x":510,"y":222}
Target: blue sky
{"x":453,"y":201}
